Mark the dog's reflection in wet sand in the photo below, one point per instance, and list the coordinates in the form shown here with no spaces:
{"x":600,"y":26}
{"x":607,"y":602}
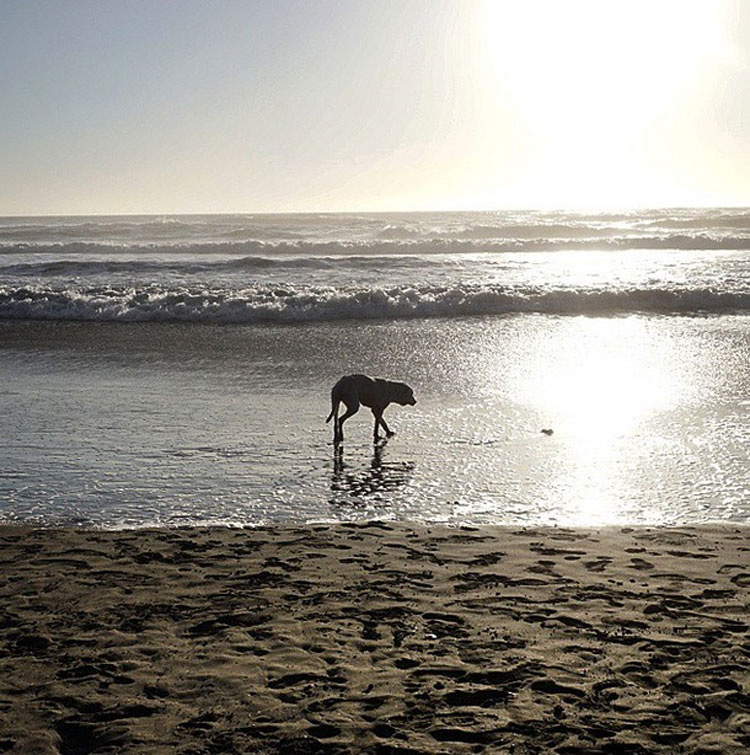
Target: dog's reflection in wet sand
{"x":380,"y":477}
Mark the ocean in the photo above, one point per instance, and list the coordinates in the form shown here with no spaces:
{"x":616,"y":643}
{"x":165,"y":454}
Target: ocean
{"x":176,"y":370}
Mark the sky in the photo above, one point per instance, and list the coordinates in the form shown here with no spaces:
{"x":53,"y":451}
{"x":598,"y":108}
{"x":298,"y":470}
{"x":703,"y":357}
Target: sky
{"x":148,"y":106}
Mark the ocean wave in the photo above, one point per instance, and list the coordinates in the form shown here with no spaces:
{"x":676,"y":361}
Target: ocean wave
{"x":94,"y":229}
{"x":519,"y":232}
{"x":440,"y":245}
{"x":509,"y":232}
{"x":75,"y":268}
{"x":728,"y":220}
{"x":502,"y":226}
{"x":114,"y":232}
{"x":310,"y":304}
{"x":80,"y":267}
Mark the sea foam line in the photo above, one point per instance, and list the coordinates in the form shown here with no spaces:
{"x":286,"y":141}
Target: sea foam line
{"x":310,"y":304}
{"x":426,"y":246}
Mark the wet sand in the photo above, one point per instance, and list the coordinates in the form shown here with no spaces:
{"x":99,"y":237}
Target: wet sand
{"x":375,"y":638}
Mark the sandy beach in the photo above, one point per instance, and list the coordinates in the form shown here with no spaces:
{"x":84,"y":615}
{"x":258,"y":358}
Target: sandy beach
{"x":375,"y":638}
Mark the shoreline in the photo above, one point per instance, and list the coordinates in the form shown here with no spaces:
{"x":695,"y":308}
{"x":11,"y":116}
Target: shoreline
{"x":376,"y":637}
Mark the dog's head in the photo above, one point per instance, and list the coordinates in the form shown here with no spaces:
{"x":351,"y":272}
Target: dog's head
{"x":402,"y":394}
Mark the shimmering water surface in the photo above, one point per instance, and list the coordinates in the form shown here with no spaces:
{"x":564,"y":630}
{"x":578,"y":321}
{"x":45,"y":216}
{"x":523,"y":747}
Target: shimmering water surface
{"x":133,"y":425}
{"x":177,"y":370}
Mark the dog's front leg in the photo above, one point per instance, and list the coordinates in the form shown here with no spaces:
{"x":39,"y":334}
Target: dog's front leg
{"x":379,"y":421}
{"x":387,"y":429}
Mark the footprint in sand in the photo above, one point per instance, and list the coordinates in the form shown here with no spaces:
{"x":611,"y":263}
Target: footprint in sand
{"x":543,"y":566}
{"x":466,"y":736}
{"x":599,"y":564}
{"x":406,"y":663}
{"x":30,"y":644}
{"x":323,"y":731}
{"x":383,"y":731}
{"x":551,"y":687}
{"x":77,"y":735}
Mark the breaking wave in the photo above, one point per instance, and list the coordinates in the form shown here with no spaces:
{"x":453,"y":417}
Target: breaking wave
{"x":422,"y":246}
{"x":312,"y":304}
{"x":86,"y":267}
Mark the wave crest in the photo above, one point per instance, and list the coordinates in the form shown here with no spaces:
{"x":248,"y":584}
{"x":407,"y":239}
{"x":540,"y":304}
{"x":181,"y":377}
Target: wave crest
{"x":290,"y":304}
{"x":421,"y":246}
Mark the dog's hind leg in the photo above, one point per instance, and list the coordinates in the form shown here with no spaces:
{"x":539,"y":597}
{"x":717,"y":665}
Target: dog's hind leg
{"x":335,"y":414}
{"x":351,"y":409}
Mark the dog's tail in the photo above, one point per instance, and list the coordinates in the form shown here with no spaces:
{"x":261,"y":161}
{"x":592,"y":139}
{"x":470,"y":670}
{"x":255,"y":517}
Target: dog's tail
{"x":334,"y":409}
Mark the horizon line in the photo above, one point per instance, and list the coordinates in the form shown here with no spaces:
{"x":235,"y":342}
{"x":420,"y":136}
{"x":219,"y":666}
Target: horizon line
{"x":580,"y":210}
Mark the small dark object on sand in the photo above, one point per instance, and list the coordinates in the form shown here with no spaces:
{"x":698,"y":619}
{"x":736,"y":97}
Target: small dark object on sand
{"x":547,"y":430}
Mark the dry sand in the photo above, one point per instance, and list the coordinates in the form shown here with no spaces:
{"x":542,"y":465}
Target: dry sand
{"x":375,"y":638}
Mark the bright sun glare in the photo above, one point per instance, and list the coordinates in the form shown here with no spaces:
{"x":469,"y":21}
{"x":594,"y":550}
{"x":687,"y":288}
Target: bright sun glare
{"x":590,"y":78}
{"x":598,"y":386}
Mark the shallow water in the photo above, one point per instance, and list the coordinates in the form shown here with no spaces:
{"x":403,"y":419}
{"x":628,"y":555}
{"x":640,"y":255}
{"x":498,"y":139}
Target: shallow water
{"x":132,"y":425}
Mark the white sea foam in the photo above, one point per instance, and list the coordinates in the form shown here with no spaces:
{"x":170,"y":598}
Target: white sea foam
{"x":447,"y":244}
{"x":251,"y":268}
{"x":310,"y":304}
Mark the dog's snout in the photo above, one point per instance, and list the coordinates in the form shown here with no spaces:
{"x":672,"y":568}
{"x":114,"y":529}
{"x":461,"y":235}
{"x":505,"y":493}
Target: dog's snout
{"x":413,"y":401}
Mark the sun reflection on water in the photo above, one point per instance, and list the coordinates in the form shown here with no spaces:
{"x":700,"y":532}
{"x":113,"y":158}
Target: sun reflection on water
{"x":596,"y":387}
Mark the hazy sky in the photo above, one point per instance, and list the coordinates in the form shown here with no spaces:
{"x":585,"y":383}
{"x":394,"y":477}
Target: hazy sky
{"x":129,"y":106}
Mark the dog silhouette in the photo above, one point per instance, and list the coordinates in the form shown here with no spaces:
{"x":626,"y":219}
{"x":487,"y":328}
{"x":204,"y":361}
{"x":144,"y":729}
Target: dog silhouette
{"x":377,"y":394}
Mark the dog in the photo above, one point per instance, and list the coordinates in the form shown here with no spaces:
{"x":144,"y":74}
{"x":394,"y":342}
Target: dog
{"x":376,"y":394}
